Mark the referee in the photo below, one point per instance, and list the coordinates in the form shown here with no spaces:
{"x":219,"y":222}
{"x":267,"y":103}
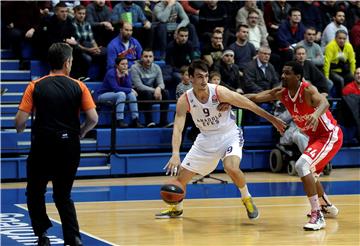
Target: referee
{"x":56,"y":100}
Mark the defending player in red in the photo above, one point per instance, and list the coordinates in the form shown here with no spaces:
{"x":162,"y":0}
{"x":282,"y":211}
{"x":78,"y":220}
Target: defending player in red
{"x":310,"y":112}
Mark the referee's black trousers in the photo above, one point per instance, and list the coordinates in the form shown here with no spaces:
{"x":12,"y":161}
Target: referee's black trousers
{"x":53,"y":157}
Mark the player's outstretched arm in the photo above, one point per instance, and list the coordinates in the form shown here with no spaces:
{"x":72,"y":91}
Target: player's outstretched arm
{"x":180,"y":117}
{"x":225,"y":95}
{"x":266,"y":96}
{"x":318,"y":101}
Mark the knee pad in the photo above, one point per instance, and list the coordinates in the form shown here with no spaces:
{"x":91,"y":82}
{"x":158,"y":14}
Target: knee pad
{"x":302,"y":167}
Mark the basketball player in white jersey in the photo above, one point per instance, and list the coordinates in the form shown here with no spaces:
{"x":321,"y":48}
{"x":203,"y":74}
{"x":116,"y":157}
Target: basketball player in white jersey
{"x":219,"y":138}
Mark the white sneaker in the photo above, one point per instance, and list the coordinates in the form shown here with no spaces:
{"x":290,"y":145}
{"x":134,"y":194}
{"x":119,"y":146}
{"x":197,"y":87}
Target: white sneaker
{"x":316,"y":222}
{"x":329,"y":211}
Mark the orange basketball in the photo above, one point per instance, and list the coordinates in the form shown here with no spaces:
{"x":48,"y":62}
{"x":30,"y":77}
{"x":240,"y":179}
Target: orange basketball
{"x":172,"y":192}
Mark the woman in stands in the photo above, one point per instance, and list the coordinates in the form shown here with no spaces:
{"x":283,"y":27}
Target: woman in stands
{"x":117,"y":88}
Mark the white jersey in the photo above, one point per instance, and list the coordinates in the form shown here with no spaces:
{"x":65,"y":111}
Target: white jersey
{"x":206,"y":116}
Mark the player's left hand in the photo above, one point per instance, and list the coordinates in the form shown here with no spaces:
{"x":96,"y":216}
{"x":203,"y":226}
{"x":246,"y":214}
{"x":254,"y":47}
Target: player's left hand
{"x":223,"y":107}
{"x":312,"y":122}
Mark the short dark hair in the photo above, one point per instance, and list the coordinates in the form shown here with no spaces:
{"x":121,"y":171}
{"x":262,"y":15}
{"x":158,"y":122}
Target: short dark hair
{"x":78,"y":8}
{"x":240,"y":26}
{"x":197,"y":64}
{"x":146,"y":50}
{"x":184,"y":69}
{"x":296,"y":67}
{"x":183,"y":29}
{"x":58,"y":54}
{"x":337,"y":11}
{"x":119,"y":59}
{"x":293,"y":9}
{"x":60,"y":5}
{"x":214,"y":73}
{"x":299,"y":47}
{"x":340,"y":31}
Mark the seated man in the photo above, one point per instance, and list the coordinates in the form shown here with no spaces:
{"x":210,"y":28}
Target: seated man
{"x":149,"y":84}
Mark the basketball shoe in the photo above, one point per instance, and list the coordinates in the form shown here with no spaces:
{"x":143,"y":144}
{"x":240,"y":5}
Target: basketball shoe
{"x":251,"y":209}
{"x":329,"y":211}
{"x":169,"y":213}
{"x":316,"y":221}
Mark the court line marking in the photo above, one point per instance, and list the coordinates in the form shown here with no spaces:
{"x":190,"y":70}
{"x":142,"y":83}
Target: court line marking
{"x":81,"y":231}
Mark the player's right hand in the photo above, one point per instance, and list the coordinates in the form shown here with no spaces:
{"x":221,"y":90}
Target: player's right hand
{"x":279,"y":124}
{"x":172,"y":167}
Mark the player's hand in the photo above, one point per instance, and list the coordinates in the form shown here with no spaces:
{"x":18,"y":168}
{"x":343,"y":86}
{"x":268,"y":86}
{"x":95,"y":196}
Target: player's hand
{"x":279,"y":124}
{"x":172,"y":167}
{"x":223,"y":107}
{"x":312,"y":122}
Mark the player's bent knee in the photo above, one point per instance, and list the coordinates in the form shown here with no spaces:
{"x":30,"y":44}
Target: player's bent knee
{"x":302,"y":167}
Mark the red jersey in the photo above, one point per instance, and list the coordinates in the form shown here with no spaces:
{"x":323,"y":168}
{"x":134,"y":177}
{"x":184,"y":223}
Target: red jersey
{"x":300,"y":112}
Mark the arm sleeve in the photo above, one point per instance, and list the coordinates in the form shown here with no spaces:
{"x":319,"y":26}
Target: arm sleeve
{"x":159,"y":78}
{"x":161,"y":13}
{"x":87,"y":101}
{"x":183,"y":16}
{"x":26,"y":103}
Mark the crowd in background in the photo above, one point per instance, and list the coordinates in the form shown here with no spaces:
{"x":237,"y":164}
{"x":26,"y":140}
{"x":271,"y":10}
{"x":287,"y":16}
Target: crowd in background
{"x":245,"y":42}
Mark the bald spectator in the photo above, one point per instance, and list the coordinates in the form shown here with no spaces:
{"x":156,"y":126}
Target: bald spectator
{"x":124,"y":45}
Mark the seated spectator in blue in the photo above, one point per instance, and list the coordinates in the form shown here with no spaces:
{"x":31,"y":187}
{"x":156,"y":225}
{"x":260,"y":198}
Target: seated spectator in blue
{"x":124,"y":45}
{"x":86,"y":44}
{"x":171,"y":16}
{"x":149,"y":84}
{"x":229,"y":72}
{"x":290,"y":32}
{"x":117,"y":88}
{"x":260,"y":74}
{"x":311,"y":73}
{"x":313,"y":50}
{"x":127,"y":11}
{"x":98,"y":14}
{"x":244,"y":50}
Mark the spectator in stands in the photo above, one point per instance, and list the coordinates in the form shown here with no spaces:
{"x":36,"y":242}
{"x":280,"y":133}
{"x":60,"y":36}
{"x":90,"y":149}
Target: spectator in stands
{"x":242,"y":16}
{"x":257,"y":33}
{"x":328,"y":10}
{"x":212,"y":52}
{"x":229,"y":72}
{"x":58,"y":28}
{"x":260,"y":75}
{"x":179,"y":52}
{"x":331,"y":28}
{"x":339,"y":63}
{"x":149,"y":84}
{"x":117,"y":88}
{"x":313,"y":50}
{"x":311,"y":73}
{"x":127,"y":11}
{"x":311,"y":16}
{"x":86,"y":44}
{"x":355,"y":38}
{"x":98,"y":14}
{"x":274,"y":13}
{"x":171,"y":17}
{"x":124,"y":45}
{"x":192,"y":9}
{"x":290,"y":32}
{"x":213,"y":16}
{"x":354,"y":86}
{"x":244,"y":50}
{"x":22,"y":20}
{"x":185,"y":83}
{"x":55,"y":143}
{"x":215,"y":78}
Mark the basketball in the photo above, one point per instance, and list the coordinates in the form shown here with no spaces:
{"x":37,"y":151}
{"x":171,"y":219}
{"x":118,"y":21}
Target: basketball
{"x":172,"y":192}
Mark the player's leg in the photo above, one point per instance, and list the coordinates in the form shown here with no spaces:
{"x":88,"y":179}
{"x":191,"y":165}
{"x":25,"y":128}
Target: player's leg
{"x":306,"y":174}
{"x":327,"y":208}
{"x":231,"y":167}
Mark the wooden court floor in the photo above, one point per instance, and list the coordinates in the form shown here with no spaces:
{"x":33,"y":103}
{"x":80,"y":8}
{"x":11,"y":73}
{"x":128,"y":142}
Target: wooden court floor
{"x":216,"y":221}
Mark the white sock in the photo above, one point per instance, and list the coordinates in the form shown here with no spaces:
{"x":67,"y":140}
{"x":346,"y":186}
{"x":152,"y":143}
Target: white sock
{"x":314,"y":202}
{"x":179,"y":206}
{"x":244,"y":192}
